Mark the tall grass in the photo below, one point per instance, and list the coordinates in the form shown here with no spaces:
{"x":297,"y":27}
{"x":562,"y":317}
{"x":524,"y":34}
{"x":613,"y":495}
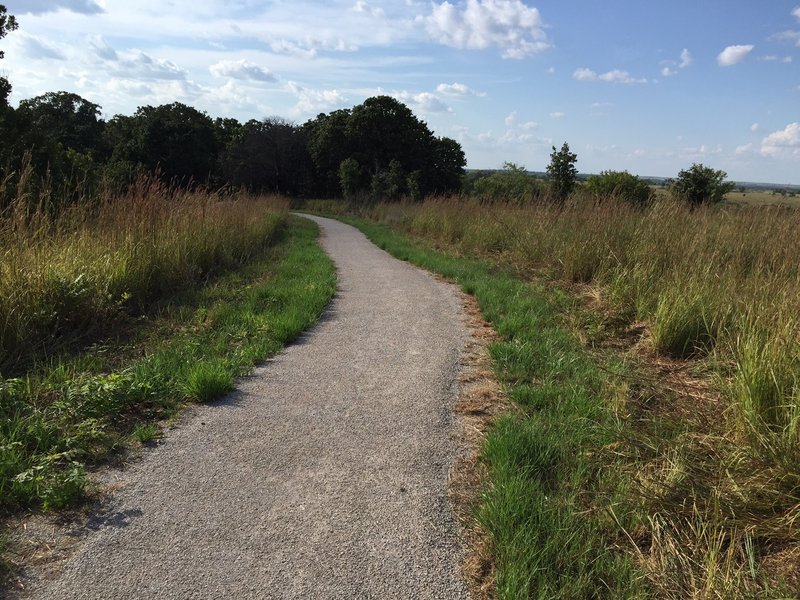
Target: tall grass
{"x":722,"y":280}
{"x":76,"y":274}
{"x":720,"y":284}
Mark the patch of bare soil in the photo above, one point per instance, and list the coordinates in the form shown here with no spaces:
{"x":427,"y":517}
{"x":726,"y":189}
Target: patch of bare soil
{"x":481,"y":401}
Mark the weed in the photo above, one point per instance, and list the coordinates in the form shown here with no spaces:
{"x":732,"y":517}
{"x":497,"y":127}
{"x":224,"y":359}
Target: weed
{"x":208,"y":381}
{"x":146,"y":432}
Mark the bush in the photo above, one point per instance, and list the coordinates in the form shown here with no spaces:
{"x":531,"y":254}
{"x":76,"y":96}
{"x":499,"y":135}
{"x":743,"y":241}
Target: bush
{"x":511,"y":184}
{"x":701,"y":185}
{"x":620,"y":184}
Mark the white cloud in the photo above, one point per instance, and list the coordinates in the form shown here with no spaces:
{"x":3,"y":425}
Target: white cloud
{"x":242,"y":69}
{"x":529,"y":125}
{"x":787,"y":36}
{"x":614,"y":76}
{"x":733,"y":55}
{"x":102,"y":49}
{"x":424,"y":102}
{"x":584,"y":74}
{"x":136,"y":64}
{"x":557,"y":115}
{"x":796,"y":13}
{"x":667,"y":72}
{"x":37,"y":48}
{"x":779,"y":142}
{"x":310,"y":47}
{"x":755,"y":127}
{"x":686,"y":59}
{"x":744,"y":149}
{"x":315,"y":101}
{"x":510,"y":25}
{"x":457,"y":89}
{"x":511,"y":119}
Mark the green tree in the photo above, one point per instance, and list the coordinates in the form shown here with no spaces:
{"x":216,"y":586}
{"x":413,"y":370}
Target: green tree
{"x":375,"y":134}
{"x":562,"y":172}
{"x":8,"y":23}
{"x":328,"y":146}
{"x":69,"y":120}
{"x":178,"y":141}
{"x":619,"y":184}
{"x":349,"y":177}
{"x":448,"y":165}
{"x":267,"y":156}
{"x":701,"y":185}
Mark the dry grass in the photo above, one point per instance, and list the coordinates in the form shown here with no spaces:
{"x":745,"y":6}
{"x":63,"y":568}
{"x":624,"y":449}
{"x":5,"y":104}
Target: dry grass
{"x":74,"y":275}
{"x":713,"y":295}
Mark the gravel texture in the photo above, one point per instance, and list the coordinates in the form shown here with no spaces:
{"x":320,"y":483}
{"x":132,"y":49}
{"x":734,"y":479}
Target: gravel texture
{"x":323,"y":476}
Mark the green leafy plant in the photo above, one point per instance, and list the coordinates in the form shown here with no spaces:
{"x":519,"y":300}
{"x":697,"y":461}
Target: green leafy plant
{"x":621,"y":185}
{"x":699,"y":185}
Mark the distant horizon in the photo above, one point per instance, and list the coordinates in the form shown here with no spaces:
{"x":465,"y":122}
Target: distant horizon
{"x":765,"y":184}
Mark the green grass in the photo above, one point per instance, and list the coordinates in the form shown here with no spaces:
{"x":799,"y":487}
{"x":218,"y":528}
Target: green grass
{"x":79,"y":410}
{"x":146,"y":432}
{"x":551,"y":509}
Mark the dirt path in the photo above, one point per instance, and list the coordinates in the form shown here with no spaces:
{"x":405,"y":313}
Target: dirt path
{"x":323,"y":476}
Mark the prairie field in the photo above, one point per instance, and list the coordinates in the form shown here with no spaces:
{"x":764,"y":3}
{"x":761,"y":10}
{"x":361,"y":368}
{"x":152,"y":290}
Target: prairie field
{"x":701,"y":306}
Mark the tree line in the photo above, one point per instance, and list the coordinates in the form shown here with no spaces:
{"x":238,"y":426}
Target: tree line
{"x":59,"y":141}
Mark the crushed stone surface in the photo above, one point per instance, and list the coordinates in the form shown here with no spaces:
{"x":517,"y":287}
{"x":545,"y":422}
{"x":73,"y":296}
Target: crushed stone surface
{"x":323,"y":476}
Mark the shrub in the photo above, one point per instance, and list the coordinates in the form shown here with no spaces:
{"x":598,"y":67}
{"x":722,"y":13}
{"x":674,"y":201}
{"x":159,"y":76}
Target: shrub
{"x":619,"y":184}
{"x":511,"y":184}
{"x":701,"y":185}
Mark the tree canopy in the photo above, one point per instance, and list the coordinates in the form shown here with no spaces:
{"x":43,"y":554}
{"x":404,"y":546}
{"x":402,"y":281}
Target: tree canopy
{"x":395,"y":153}
{"x":377,"y":149}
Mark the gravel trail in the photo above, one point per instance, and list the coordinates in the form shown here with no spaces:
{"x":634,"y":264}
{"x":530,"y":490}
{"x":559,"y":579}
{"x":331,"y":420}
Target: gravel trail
{"x":323,"y":476}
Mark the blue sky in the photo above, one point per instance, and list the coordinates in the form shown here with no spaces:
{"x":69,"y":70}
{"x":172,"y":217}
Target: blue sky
{"x":650,"y":87}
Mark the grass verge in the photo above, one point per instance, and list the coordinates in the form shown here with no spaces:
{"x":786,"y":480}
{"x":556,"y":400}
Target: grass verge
{"x":76,"y":411}
{"x":552,"y":510}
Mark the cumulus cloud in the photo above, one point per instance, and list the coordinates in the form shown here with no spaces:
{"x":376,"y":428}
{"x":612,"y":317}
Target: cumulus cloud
{"x":755,"y":127}
{"x":511,"y":119}
{"x":510,"y":25}
{"x":796,"y":13}
{"x":733,"y":55}
{"x":457,"y":89}
{"x":424,"y":102}
{"x":102,"y":49}
{"x":787,"y":140}
{"x":743,"y":149}
{"x":614,"y":76}
{"x":242,"y":69}
{"x":311,"y":101}
{"x":140,"y":65}
{"x":38,"y":7}
{"x":667,"y":72}
{"x":37,"y":48}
